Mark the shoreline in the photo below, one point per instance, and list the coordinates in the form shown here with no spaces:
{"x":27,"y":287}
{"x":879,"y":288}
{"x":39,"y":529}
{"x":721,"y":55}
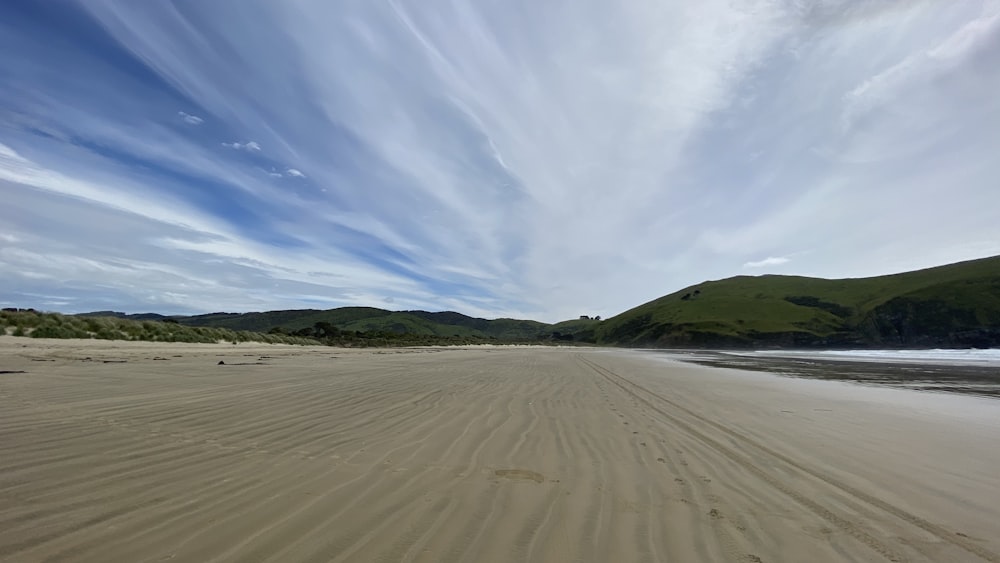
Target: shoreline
{"x":923,"y":375}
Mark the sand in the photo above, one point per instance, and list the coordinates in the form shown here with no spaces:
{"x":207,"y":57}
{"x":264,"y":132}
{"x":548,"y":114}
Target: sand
{"x":153,"y":452}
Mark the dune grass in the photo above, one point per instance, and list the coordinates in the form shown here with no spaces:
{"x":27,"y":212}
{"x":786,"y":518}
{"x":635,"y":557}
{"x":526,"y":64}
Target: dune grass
{"x":36,"y":324}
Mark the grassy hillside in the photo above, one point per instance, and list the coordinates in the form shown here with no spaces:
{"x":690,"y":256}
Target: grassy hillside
{"x":954,"y":305}
{"x":402,"y":322}
{"x":369,"y":319}
{"x":580,"y":330}
{"x":950,"y":306}
{"x":118,"y":326}
{"x":290,"y":320}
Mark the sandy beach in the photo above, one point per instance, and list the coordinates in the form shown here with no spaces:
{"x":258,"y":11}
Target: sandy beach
{"x":116,"y":451}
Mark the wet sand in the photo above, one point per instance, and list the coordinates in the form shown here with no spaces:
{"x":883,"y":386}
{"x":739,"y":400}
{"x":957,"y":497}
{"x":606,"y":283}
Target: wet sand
{"x":154,"y":452}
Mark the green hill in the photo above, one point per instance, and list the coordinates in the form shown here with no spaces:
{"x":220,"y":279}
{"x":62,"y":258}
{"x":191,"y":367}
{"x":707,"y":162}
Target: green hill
{"x":364,"y":319}
{"x":371,"y":320}
{"x":957,"y":305}
{"x":581,"y":330}
{"x":290,"y":320}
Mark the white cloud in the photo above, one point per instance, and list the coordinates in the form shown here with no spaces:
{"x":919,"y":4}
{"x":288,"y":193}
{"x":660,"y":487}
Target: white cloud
{"x":918,"y":70}
{"x":512,"y":161}
{"x":288,"y":173}
{"x":769,"y":261}
{"x":251,"y":146}
{"x":149,"y":247}
{"x":971,"y":37}
{"x":190,"y":119}
{"x":132,"y":199}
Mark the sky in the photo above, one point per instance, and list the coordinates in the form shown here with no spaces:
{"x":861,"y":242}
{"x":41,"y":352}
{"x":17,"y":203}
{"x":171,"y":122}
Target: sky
{"x":501,"y":158}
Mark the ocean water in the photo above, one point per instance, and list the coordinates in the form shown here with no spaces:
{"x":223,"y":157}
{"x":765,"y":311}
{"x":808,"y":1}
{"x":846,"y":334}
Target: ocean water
{"x":955,"y":371}
{"x":981,"y":357}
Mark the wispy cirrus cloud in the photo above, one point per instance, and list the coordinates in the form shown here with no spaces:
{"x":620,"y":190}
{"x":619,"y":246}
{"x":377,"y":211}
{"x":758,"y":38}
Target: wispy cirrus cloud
{"x":496,"y":160}
{"x":769,"y":261}
{"x":190,"y":119}
{"x":249,"y":146}
{"x":287,"y":173}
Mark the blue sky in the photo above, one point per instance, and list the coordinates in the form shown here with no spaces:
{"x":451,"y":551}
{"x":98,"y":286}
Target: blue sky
{"x":529,"y":159}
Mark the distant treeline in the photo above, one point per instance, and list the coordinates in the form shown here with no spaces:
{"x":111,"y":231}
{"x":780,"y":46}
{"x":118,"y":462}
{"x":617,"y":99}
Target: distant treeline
{"x":329,"y":334}
{"x":35,"y":324}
